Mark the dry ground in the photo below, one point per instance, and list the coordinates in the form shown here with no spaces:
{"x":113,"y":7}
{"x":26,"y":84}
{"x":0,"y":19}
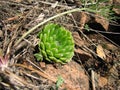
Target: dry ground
{"x":95,"y":65}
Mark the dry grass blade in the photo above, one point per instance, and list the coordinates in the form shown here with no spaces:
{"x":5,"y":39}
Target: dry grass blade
{"x":38,"y":72}
{"x":16,"y":80}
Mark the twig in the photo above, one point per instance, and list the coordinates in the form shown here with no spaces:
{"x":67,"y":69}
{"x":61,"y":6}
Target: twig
{"x":36,"y":66}
{"x":93,"y":79}
{"x":106,"y":37}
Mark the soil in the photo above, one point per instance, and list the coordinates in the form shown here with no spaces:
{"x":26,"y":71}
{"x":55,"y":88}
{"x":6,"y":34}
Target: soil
{"x":96,"y":61}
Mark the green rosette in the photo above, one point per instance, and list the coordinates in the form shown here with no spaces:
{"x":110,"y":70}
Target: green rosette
{"x":56,"y":44}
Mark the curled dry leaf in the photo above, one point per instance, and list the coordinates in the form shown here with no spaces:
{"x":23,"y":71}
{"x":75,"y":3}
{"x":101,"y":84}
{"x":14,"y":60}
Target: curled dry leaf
{"x":102,"y":21}
{"x":82,"y":18}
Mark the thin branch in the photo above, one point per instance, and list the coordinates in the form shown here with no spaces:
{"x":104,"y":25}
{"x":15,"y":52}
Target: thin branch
{"x":51,"y":18}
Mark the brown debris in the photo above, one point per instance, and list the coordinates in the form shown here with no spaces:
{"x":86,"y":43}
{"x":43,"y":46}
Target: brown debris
{"x":77,"y":39}
{"x":82,"y":18}
{"x":102,"y":81}
{"x":19,"y":16}
{"x":100,"y":52}
{"x":116,"y":7}
{"x":102,"y":21}
{"x":83,"y":55}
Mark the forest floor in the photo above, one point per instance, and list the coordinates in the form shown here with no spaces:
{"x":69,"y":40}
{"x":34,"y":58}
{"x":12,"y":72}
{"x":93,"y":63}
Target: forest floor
{"x":96,"y":61}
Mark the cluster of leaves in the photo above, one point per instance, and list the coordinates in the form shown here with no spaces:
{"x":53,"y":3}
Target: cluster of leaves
{"x":56,"y":44}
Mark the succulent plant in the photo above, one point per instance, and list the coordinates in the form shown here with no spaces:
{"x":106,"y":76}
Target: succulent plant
{"x":56,"y":44}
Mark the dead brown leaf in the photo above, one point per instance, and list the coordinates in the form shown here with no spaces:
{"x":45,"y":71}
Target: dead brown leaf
{"x":117,"y":11}
{"x":83,"y":55}
{"x":116,"y":8}
{"x":82,"y":18}
{"x":102,"y":21}
{"x":100,"y":52}
{"x":111,"y":47}
{"x":102,"y":81}
{"x":78,"y":40}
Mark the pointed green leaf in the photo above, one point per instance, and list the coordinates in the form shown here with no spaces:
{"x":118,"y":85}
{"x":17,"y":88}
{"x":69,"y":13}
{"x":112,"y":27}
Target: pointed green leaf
{"x":38,"y":56}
